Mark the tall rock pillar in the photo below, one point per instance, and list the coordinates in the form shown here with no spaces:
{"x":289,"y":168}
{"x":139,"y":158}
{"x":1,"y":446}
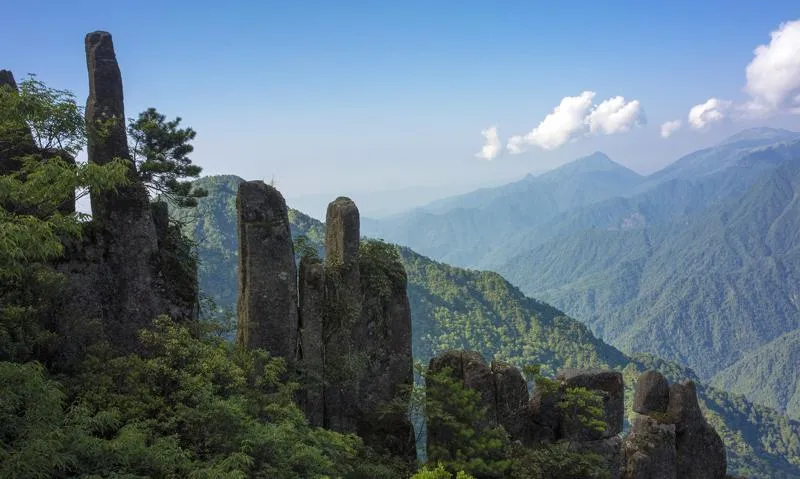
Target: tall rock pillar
{"x":267,"y":304}
{"x":344,"y":360}
{"x":123,"y":217}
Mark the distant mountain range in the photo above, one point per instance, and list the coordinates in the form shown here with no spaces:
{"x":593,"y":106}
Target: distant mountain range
{"x":697,"y":263}
{"x":457,"y":308}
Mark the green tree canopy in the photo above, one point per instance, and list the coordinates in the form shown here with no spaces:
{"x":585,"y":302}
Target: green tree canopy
{"x":161,"y":151}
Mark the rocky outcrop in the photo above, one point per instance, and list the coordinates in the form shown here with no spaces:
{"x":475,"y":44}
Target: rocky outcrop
{"x":347,"y":336}
{"x":267,"y":303}
{"x":504,"y":395}
{"x":672,"y":439}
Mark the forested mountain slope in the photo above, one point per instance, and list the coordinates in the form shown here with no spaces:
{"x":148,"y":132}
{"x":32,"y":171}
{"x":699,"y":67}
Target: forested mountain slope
{"x":701,"y":290}
{"x":487,"y":227}
{"x":454,"y":307}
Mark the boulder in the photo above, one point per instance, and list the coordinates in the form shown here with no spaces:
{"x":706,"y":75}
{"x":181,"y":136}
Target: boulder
{"x":652,"y":393}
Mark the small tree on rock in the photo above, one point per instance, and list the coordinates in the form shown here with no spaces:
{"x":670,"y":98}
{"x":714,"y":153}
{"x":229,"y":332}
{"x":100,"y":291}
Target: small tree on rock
{"x":160,"y":150}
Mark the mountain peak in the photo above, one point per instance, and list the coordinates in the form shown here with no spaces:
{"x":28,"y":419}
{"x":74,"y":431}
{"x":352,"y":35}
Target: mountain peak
{"x":596,"y":162}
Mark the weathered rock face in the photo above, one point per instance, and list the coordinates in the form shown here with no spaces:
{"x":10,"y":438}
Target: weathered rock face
{"x":344,"y":360}
{"x":267,"y":304}
{"x":652,"y":393}
{"x":650,"y":450}
{"x":312,"y":352}
{"x":609,"y":385}
{"x":700,"y":450}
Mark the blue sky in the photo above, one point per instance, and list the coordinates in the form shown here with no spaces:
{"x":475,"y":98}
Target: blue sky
{"x":327,"y":97}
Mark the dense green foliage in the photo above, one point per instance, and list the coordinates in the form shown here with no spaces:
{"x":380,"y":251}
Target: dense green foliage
{"x":160,"y":150}
{"x":458,"y":308}
{"x":190,"y":408}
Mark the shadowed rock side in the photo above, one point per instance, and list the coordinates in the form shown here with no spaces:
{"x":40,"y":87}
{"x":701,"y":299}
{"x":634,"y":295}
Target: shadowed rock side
{"x":312,"y":352}
{"x":267,"y":304}
{"x":670,"y":438}
{"x":383,"y":336}
{"x":344,"y":361}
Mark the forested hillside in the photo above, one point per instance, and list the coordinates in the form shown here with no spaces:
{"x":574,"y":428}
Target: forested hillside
{"x":701,"y":290}
{"x":454,"y":307}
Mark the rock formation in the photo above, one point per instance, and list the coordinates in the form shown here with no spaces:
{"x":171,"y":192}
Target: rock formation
{"x":348,"y":337}
{"x":267,"y":303}
{"x":130,"y":265}
{"x":671,"y":439}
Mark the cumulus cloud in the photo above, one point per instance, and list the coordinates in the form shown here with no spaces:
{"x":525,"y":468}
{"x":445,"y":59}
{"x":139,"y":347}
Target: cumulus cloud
{"x":615,"y":115}
{"x":564,"y":123}
{"x":670,"y":127}
{"x":712,"y":111}
{"x":773,"y":76}
{"x":577,"y":116}
{"x":492,"y":147}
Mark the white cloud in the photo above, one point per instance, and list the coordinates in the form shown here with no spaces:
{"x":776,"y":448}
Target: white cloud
{"x":492,"y":147}
{"x":773,"y":77}
{"x":577,"y":116}
{"x":712,"y":111}
{"x":670,"y":127}
{"x":615,"y":115}
{"x":564,"y":123}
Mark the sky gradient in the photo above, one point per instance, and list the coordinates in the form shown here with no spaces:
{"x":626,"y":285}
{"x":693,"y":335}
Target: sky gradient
{"x":366,"y":96}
